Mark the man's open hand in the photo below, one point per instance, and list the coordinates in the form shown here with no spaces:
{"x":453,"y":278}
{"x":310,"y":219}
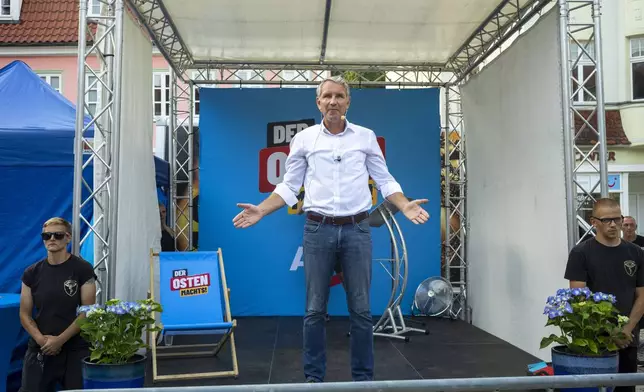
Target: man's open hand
{"x":415,"y":213}
{"x":248,"y":217}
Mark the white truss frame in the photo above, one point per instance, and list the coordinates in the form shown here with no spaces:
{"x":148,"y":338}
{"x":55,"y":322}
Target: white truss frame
{"x":181,"y":165}
{"x":506,"y":20}
{"x":100,"y":38}
{"x":573,"y":110}
{"x":454,"y":188}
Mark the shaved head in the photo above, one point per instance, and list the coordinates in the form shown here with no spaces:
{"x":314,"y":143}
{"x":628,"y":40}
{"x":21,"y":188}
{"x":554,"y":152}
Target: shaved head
{"x":607,"y":219}
{"x":604,"y":203}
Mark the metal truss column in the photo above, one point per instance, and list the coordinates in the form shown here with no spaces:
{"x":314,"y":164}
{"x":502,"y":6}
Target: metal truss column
{"x":181,"y":153}
{"x":96,"y":144}
{"x":589,"y":115}
{"x":455,"y":268}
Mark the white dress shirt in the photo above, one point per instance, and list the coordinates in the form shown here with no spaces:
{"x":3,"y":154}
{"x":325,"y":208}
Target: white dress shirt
{"x":335,"y":170}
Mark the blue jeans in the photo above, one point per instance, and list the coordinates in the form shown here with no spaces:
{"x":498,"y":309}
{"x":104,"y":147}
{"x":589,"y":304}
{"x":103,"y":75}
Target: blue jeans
{"x":350,"y":244}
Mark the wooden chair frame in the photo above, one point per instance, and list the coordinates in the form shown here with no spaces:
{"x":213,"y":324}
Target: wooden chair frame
{"x":152,"y":337}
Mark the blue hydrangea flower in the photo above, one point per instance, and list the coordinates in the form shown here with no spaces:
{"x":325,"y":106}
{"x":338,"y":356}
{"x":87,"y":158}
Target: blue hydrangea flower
{"x":563,"y":292}
{"x":88,"y":309}
{"x":116,"y":309}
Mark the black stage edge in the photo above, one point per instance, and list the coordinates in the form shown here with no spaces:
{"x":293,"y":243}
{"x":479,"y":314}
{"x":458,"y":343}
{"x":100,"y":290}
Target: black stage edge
{"x":269,"y":351}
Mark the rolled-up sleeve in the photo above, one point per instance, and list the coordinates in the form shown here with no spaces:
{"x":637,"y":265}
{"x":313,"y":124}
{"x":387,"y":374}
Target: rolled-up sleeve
{"x":296,"y":164}
{"x":377,"y":168}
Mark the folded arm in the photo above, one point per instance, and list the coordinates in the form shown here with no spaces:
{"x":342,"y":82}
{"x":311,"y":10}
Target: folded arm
{"x":55,"y":343}
{"x":26,"y":319}
{"x":637,"y":311}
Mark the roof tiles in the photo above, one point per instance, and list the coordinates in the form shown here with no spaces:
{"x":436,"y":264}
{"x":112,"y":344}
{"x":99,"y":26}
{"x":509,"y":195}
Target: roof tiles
{"x":615,"y":135}
{"x":43,"y":22}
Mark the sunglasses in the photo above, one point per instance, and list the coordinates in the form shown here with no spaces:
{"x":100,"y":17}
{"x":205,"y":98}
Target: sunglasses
{"x":46,"y":236}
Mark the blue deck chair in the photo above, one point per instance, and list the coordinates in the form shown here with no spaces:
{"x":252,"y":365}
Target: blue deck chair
{"x":195,"y":301}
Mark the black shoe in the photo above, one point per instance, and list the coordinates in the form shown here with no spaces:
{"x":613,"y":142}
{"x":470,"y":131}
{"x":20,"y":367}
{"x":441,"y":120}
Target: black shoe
{"x":313,"y":380}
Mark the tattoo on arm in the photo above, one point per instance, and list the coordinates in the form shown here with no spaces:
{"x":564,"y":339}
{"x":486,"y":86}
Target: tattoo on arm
{"x":91,"y":281}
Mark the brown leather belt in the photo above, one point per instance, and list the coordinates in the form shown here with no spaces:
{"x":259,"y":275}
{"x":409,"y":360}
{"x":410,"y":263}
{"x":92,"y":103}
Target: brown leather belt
{"x":338,"y":220}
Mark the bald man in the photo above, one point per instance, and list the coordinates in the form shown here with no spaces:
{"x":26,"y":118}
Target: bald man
{"x":629,"y":231}
{"x":611,"y":265}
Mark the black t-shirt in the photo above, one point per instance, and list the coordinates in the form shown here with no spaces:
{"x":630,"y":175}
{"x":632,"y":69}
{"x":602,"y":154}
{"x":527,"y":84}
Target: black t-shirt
{"x":614,"y":270}
{"x":639,"y":241}
{"x":167,"y":242}
{"x":56,"y":294}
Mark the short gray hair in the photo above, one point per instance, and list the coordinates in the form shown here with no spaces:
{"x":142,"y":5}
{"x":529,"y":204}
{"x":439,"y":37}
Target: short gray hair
{"x":335,"y":79}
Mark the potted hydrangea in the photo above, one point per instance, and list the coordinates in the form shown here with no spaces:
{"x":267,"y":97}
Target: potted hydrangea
{"x":591,"y":328}
{"x":114,"y":332}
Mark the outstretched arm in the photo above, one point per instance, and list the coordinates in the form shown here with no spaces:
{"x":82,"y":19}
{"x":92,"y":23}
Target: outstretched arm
{"x":285,"y":192}
{"x":389,"y":187}
{"x":271,"y":204}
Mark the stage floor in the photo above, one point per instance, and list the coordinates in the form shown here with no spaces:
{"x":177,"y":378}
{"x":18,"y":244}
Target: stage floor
{"x":269,"y":351}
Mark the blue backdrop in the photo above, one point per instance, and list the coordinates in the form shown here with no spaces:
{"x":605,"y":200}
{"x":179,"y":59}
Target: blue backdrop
{"x":259,"y":261}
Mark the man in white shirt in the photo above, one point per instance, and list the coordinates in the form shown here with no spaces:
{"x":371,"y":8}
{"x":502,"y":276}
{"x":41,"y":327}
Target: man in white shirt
{"x":334,"y":161}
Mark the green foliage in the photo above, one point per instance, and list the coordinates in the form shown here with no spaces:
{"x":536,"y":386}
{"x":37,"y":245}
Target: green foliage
{"x":589,"y":322}
{"x":115,"y":331}
{"x":355,"y":78}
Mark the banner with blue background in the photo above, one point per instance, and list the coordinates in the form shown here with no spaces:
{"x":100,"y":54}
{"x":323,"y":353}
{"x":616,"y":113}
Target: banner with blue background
{"x":244,"y":141}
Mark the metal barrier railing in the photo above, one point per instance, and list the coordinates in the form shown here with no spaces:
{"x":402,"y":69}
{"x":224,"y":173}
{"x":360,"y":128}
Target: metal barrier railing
{"x":548,"y":383}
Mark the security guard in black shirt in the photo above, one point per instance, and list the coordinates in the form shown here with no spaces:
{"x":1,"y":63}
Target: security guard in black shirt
{"x":611,"y":265}
{"x":55,"y":287}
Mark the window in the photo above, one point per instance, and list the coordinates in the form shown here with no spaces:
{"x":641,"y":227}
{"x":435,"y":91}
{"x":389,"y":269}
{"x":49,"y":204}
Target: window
{"x":52,"y":79}
{"x":94,"y":7}
{"x":583,"y":72}
{"x":5,"y":8}
{"x":249,"y":74}
{"x":292,"y":75}
{"x":161,"y":93}
{"x":637,"y":67}
{"x":93,"y":96}
{"x":202,"y":75}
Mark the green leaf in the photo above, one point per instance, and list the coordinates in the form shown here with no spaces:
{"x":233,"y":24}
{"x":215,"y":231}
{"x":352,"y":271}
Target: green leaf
{"x":580,"y":342}
{"x":95,"y":355}
{"x":568,"y":324}
{"x":545,"y":342}
{"x":592,"y":346}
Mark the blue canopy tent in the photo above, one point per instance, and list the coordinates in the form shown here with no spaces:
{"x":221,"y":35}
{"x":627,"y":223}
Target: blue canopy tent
{"x":37,"y":132}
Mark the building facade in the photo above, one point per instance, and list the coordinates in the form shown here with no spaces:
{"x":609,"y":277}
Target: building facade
{"x":623,"y":70}
{"x":44,"y":35}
